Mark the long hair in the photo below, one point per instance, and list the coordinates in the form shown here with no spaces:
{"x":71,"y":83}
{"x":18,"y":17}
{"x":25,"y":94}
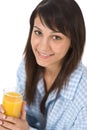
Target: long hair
{"x":67,"y":17}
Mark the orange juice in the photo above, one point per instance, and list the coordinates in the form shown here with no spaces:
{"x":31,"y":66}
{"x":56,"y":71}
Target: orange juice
{"x":12,"y":103}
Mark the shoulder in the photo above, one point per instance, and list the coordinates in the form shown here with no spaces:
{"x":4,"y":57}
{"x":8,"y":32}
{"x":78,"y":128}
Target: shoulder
{"x":84,"y":74}
{"x":81,"y":93}
{"x":21,"y":68}
{"x":76,"y":87}
{"x":83,"y":77}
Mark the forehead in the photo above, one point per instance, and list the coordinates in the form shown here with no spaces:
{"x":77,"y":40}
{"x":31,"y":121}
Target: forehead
{"x":40,"y":22}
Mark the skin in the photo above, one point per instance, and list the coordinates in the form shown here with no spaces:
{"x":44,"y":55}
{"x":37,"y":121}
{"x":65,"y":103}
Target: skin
{"x":50,"y":48}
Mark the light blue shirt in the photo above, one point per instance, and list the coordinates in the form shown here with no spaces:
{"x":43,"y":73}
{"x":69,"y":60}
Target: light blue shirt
{"x":68,"y":112}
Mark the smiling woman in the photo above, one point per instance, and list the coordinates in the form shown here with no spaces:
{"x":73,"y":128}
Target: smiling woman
{"x":51,"y":75}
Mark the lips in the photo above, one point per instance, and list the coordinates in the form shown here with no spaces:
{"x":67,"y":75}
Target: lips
{"x":44,"y":55}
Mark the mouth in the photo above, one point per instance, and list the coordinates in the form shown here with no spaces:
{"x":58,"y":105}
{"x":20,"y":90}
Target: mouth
{"x":44,"y":55}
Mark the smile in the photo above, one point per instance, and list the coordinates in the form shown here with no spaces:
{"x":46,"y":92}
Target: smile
{"x":44,"y":55}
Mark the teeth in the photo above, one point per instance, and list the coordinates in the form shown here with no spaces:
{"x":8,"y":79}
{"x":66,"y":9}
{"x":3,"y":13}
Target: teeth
{"x":43,"y":54}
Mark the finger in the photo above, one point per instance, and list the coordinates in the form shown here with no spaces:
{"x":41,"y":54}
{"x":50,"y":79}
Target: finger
{"x":23,"y":114}
{"x":1,"y":109}
{"x":2,"y":128}
{"x":8,"y":125}
{"x":11,"y":119}
{"x":2,"y":116}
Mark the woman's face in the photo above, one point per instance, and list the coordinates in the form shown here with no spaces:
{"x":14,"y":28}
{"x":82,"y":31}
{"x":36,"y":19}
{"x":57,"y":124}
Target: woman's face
{"x":49,"y":47}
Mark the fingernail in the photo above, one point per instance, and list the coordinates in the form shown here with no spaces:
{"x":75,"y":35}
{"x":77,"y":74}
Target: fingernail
{"x":0,"y":122}
{"x":2,"y":111}
{"x":4,"y":116}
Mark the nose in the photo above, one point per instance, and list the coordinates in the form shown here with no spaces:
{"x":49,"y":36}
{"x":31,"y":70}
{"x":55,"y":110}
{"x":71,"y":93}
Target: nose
{"x":44,"y":44}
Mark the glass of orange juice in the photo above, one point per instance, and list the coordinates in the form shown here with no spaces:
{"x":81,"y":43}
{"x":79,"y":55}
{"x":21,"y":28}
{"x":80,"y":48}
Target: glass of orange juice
{"x":12,"y":103}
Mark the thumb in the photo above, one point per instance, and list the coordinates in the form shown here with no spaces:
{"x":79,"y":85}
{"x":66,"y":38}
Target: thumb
{"x":23,"y":113}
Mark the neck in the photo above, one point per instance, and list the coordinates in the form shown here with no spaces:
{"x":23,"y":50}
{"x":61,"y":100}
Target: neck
{"x":50,"y":76}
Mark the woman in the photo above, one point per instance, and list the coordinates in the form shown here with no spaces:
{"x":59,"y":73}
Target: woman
{"x":51,"y":75}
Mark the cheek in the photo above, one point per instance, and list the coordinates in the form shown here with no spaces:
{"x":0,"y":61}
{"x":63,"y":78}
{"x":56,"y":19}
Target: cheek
{"x":65,"y":50}
{"x":62,"y":50}
{"x":34,"y":41}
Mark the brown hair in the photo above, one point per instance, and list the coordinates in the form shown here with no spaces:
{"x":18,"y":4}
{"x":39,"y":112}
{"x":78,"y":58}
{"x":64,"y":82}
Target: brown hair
{"x":67,"y":17}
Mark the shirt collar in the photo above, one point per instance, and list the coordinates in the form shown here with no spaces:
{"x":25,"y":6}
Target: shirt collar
{"x":69,"y":90}
{"x":40,"y":87}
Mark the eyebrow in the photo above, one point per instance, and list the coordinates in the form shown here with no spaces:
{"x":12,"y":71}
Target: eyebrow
{"x":51,"y":31}
{"x":37,"y":28}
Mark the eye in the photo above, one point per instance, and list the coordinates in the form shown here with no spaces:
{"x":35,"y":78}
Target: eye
{"x":38,"y":33}
{"x":55,"y":37}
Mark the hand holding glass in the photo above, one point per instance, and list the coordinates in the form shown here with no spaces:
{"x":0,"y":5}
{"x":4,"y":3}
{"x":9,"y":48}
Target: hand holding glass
{"x":12,"y":103}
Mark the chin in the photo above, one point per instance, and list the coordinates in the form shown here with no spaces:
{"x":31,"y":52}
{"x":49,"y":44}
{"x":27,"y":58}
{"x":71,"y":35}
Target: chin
{"x":42,"y":64}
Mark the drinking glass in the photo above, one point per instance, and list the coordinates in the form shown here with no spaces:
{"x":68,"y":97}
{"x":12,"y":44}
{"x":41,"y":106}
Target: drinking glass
{"x":12,"y":102}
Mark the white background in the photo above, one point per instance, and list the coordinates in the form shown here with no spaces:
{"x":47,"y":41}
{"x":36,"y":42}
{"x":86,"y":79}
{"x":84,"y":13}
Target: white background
{"x":14,"y":28}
